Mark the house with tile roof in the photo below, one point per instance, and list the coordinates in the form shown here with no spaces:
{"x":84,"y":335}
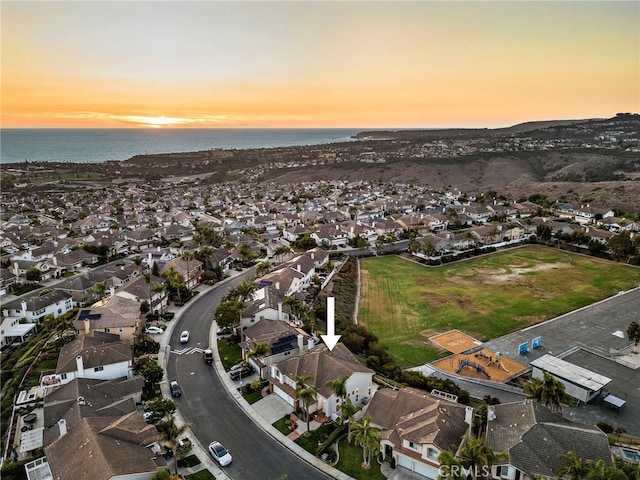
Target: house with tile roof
{"x":83,"y":397}
{"x":37,"y":304}
{"x":534,"y":437}
{"x":284,"y":340}
{"x":323,"y":365}
{"x":416,"y":426}
{"x":98,"y":355}
{"x":116,"y":314}
{"x":105,"y":448}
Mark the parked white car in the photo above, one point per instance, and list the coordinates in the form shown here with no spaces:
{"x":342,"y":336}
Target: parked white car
{"x":184,"y":336}
{"x":153,"y":330}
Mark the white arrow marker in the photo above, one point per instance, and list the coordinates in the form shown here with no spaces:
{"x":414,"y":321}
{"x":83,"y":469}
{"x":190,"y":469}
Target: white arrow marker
{"x":330,"y":339}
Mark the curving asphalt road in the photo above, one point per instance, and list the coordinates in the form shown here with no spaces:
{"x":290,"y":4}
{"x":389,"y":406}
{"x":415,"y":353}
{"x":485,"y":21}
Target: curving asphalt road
{"x":211,"y":411}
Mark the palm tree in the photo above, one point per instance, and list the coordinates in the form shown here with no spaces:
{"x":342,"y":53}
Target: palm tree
{"x":174,"y":278}
{"x":574,"y":467}
{"x":475,"y":454}
{"x":100,"y":288}
{"x":368,"y":438}
{"x":170,"y":434}
{"x":339,"y":387}
{"x":347,"y":411}
{"x":549,"y":391}
{"x":260,"y":349}
{"x":633,"y":333}
{"x":159,"y":288}
{"x":262,"y":268}
{"x":469,"y":237}
{"x":187,"y":256}
{"x":450,"y":466}
{"x":245,"y":290}
{"x":205,"y":253}
{"x":306,"y":393}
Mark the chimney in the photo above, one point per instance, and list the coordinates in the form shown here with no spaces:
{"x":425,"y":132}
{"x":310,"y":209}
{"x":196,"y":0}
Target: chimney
{"x":468,"y":415}
{"x":62,"y":426}
{"x":79,"y":367}
{"x":277,"y":285}
{"x":112,"y":291}
{"x":87,"y":326}
{"x":311,"y":344}
{"x":491,"y":412}
{"x":279,"y":310}
{"x":23,"y":308}
{"x":301,"y":342}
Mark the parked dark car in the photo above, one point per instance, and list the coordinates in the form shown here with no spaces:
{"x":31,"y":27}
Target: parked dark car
{"x":243,"y":371}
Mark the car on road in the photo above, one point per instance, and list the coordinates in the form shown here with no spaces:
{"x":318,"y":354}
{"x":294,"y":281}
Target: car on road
{"x":176,"y":391}
{"x":207,"y":355}
{"x":153,"y":330}
{"x":184,"y":336}
{"x":243,"y":371}
{"x":220,"y":454}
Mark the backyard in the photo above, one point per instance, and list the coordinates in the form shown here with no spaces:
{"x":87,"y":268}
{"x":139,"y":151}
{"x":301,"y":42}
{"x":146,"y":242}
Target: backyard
{"x":404,"y":303}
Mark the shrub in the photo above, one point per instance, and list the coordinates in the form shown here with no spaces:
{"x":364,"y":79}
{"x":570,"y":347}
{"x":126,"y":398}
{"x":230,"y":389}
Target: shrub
{"x":605,"y":427}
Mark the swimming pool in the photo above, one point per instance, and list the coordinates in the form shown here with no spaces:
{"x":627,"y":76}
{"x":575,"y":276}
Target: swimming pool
{"x":631,"y":455}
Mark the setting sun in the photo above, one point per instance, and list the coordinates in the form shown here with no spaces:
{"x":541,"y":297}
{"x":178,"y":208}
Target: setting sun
{"x":316,"y":64}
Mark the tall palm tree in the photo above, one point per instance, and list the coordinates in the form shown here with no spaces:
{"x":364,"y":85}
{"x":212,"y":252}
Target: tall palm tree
{"x":187,"y":256}
{"x":368,"y":437}
{"x":245,"y":290}
{"x":159,"y":288}
{"x":306,"y":393}
{"x":259,"y":349}
{"x":262,"y":268}
{"x":174,"y":278}
{"x":205,"y":253}
{"x":549,"y":391}
{"x":339,"y":387}
{"x":170,"y":435}
{"x":347,"y":411}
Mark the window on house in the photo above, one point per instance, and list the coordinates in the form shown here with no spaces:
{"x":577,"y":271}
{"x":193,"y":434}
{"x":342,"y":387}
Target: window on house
{"x":98,"y":369}
{"x":63,"y":376}
{"x":413,"y":446}
{"x":120,"y":329}
{"x":432,"y":453}
{"x":107,"y":329}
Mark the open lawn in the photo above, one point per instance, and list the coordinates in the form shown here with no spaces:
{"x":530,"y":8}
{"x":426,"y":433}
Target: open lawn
{"x":404,"y":303}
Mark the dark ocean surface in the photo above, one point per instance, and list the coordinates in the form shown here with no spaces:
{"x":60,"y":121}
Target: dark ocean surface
{"x":80,"y":145}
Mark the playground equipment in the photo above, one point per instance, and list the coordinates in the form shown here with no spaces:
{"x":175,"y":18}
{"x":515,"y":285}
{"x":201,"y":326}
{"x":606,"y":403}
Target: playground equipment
{"x":493,"y":361}
{"x":467,"y":363}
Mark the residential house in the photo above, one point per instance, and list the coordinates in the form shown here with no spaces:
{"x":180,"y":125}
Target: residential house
{"x":416,"y":426}
{"x":190,"y":272}
{"x":535,"y":438}
{"x":7,"y":281}
{"x":140,"y":239}
{"x":330,"y":235}
{"x":83,"y":397}
{"x":266,"y":303}
{"x":105,"y":448}
{"x":14,"y":332}
{"x":36,"y":305}
{"x":323,"y":365}
{"x":141,"y":290}
{"x":286,"y":281}
{"x":97,"y":356}
{"x":118,"y":314}
{"x":284,"y":340}
{"x":291,"y":234}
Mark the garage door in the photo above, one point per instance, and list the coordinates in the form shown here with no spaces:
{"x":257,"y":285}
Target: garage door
{"x":283,"y":395}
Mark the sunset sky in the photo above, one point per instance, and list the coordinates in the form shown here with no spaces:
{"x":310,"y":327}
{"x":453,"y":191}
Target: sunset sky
{"x":316,"y":64}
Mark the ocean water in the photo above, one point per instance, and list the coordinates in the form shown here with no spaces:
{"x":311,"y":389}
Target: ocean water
{"x":98,"y":145}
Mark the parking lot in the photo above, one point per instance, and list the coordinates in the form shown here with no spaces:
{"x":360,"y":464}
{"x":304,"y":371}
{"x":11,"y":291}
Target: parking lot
{"x":590,"y":337}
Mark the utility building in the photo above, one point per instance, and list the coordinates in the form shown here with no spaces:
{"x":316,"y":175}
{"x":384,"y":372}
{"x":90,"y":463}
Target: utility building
{"x":580,"y":383}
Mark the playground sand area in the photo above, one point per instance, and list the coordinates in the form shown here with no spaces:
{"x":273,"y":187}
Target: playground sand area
{"x":455,"y":341}
{"x":483,"y":364}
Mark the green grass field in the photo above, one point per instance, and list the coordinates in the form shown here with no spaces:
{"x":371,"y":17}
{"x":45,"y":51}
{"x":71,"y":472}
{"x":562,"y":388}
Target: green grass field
{"x":404,"y":303}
